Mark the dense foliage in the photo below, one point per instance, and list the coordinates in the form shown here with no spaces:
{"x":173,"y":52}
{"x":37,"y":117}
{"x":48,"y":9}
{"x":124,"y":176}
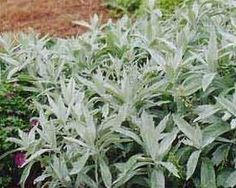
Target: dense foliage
{"x":15,"y":114}
{"x":139,"y":7}
{"x":144,"y":104}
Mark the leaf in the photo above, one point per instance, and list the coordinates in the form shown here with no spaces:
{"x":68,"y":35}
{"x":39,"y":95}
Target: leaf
{"x":163,"y":123}
{"x":184,"y":126}
{"x":166,"y":142}
{"x":9,"y":60}
{"x":12,"y":72}
{"x":171,"y":168}
{"x":157,"y":179}
{"x":231,"y":180}
{"x":220,"y":154}
{"x":207,"y":174}
{"x":151,"y":4}
{"x":130,"y":134}
{"x":205,"y":111}
{"x":83,"y":178}
{"x":212,"y":52}
{"x":80,"y":163}
{"x":106,"y":174}
{"x":191,"y":86}
{"x":25,"y":174}
{"x":76,"y":141}
{"x":82,"y":23}
{"x":222,"y":178}
{"x":227,"y":105}
{"x":41,"y":178}
{"x":211,"y":132}
{"x":8,"y":153}
{"x":194,"y":134}
{"x":128,"y":170}
{"x":207,"y":80}
{"x":192,"y":163}
{"x":35,"y":155}
{"x":233,"y":123}
{"x":148,"y":135}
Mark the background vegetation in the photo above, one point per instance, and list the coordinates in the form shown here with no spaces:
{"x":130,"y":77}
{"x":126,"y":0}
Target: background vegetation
{"x":15,"y":114}
{"x":140,"y":7}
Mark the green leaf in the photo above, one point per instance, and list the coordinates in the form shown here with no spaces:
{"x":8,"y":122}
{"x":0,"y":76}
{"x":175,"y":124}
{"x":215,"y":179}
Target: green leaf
{"x":36,"y":155}
{"x":212,"y":52}
{"x":227,"y":105}
{"x":25,"y":174}
{"x":220,"y":154}
{"x":231,"y":180}
{"x":233,"y":123}
{"x":208,"y":179}
{"x":222,"y":177}
{"x":207,"y":80}
{"x":157,"y":179}
{"x":163,"y":123}
{"x":41,"y":178}
{"x":194,"y":134}
{"x":106,"y":174}
{"x":205,"y":111}
{"x":76,"y":141}
{"x":171,"y":168}
{"x":211,"y":132}
{"x":192,"y":163}
{"x":130,"y":134}
{"x":166,"y":142}
{"x":80,"y":163}
{"x":187,"y":129}
{"x":191,"y":86}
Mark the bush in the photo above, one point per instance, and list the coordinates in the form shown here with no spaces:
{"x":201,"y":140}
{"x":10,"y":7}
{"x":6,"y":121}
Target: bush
{"x":15,"y":114}
{"x":149,"y":103}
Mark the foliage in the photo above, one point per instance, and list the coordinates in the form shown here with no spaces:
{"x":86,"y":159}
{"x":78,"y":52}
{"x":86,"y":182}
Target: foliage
{"x":140,"y":7}
{"x":149,"y":103}
{"x":124,"y":6}
{"x":168,"y":5}
{"x":14,"y":114}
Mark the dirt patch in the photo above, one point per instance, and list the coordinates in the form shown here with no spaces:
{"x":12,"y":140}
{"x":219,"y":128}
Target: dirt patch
{"x":53,"y":17}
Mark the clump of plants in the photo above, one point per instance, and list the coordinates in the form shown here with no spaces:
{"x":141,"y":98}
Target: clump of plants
{"x":140,"y":7}
{"x":150,"y":103}
{"x":15,"y":114}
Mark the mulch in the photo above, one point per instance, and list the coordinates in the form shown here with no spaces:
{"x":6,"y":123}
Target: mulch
{"x":53,"y":17}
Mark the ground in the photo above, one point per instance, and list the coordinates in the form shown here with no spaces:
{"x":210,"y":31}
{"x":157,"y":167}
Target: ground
{"x":52,"y":17}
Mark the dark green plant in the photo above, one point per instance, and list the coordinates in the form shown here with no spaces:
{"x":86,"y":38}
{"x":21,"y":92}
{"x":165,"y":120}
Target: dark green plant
{"x":15,"y":113}
{"x":168,"y":5}
{"x":139,"y":7}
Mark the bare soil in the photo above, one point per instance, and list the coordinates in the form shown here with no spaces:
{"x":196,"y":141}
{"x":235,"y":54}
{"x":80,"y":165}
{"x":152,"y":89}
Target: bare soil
{"x":53,"y":17}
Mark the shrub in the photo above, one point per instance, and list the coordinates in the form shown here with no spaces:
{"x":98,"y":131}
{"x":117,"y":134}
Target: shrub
{"x":144,"y":104}
{"x":14,"y":114}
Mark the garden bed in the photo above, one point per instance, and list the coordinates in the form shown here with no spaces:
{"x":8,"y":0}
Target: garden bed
{"x":48,"y":16}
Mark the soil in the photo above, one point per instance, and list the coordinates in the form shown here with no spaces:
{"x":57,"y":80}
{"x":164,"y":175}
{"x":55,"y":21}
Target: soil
{"x":53,"y":17}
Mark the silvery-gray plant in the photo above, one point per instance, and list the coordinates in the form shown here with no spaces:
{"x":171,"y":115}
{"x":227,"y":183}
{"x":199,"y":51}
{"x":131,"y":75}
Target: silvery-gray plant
{"x":150,"y":103}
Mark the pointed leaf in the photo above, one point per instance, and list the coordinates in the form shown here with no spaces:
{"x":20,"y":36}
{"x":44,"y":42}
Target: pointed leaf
{"x":231,"y":180}
{"x":207,"y":80}
{"x":25,"y":174}
{"x":192,"y":163}
{"x":106,"y":174}
{"x":157,"y":179}
{"x":208,"y":179}
{"x":171,"y":168}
